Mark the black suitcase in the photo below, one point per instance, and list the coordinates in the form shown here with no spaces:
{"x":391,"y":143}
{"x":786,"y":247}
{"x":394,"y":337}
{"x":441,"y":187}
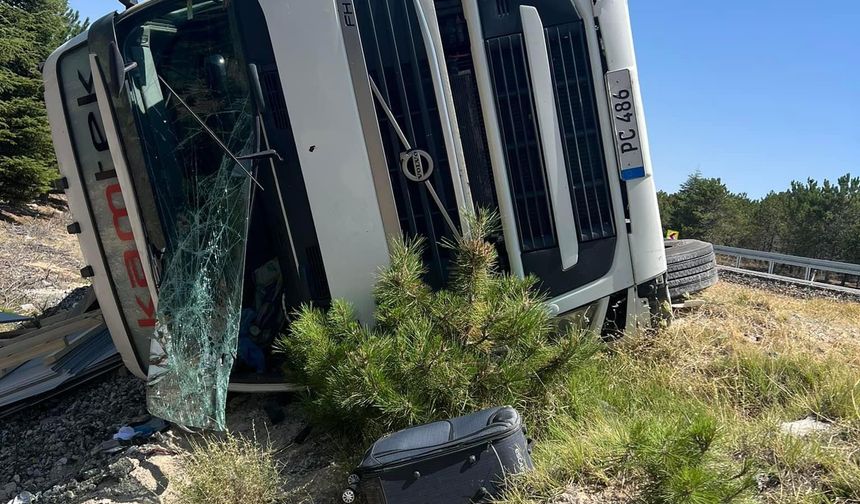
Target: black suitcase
{"x":458,"y":461}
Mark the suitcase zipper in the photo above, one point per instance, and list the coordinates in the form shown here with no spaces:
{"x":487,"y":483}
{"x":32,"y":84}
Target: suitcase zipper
{"x":441,"y":453}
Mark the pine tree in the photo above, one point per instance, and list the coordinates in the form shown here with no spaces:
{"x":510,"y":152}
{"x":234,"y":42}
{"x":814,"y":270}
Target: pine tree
{"x":489,"y":339}
{"x":29,"y":31}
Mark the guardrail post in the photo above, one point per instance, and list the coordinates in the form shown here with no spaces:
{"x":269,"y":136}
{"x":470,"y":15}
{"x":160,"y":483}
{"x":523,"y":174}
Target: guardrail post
{"x":808,"y":273}
{"x":770,"y":267}
{"x":738,"y":262}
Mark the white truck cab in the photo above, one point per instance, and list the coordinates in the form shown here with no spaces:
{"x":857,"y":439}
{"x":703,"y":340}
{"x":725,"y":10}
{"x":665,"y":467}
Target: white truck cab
{"x":359,"y":121}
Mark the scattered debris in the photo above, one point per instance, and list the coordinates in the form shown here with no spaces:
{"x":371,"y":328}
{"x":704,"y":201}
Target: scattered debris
{"x":125,"y":433}
{"x":689,"y":304}
{"x":56,"y":353}
{"x":22,"y":498}
{"x":141,"y":430}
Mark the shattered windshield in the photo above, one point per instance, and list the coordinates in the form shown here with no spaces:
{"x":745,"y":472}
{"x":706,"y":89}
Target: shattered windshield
{"x":189,"y":64}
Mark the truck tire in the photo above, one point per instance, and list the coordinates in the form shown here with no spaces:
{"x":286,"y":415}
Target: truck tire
{"x":692,"y":266}
{"x":690,"y":284}
{"x":683,"y":250}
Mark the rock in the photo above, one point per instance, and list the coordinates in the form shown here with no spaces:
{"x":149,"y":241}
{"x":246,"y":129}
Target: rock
{"x":805,"y":427}
{"x":764,"y":481}
{"x":120,"y":468}
{"x":90,"y":473}
{"x":61,"y":461}
{"x":10,"y":488}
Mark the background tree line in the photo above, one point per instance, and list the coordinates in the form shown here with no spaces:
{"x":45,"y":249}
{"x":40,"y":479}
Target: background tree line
{"x":810,"y":219}
{"x":29,"y":31}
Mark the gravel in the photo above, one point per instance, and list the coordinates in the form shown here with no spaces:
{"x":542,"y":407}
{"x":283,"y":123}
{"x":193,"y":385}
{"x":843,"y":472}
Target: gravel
{"x":786,"y":287}
{"x":54,"y":450}
{"x":59,"y":440}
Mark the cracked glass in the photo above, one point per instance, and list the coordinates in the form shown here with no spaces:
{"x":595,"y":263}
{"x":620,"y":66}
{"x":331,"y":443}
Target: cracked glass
{"x":190,"y":71}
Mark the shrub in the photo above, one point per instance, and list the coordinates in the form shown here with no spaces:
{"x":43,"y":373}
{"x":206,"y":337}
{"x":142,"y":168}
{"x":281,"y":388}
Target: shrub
{"x":229,"y":470}
{"x":487,"y":339}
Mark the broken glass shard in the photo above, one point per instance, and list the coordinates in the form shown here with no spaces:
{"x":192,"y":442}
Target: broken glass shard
{"x":199,"y":304}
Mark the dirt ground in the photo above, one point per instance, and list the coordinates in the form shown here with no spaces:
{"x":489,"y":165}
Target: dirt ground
{"x":39,"y":266}
{"x":40,"y":261}
{"x":148,"y":474}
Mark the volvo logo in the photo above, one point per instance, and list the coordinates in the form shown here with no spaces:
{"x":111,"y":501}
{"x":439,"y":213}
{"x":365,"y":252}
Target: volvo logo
{"x":417,"y":165}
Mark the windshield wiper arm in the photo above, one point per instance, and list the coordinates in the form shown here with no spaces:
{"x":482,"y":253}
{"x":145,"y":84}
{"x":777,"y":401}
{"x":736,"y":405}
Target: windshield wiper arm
{"x":263,"y":154}
{"x":211,"y":133}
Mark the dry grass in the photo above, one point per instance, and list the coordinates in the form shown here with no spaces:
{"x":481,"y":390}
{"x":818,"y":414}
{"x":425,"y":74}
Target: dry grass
{"x":228,"y":471}
{"x":692,"y":414}
{"x":742,"y":318}
{"x":39,"y":260}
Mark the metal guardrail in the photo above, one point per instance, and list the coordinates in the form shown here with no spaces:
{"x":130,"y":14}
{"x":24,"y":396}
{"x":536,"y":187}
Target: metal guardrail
{"x":809,"y":265}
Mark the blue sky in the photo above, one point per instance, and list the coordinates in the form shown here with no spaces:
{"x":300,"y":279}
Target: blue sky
{"x":758,"y":92}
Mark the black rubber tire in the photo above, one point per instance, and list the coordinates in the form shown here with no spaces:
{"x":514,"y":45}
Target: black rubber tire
{"x":684,"y":250}
{"x":694,"y":269}
{"x":692,"y":284}
{"x":692,"y":266}
{"x":690,"y":263}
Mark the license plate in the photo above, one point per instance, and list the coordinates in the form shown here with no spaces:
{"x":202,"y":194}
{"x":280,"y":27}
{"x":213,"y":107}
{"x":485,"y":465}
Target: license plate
{"x":625,"y":124}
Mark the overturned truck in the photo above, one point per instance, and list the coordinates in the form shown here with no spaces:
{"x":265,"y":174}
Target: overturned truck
{"x":228,"y":161}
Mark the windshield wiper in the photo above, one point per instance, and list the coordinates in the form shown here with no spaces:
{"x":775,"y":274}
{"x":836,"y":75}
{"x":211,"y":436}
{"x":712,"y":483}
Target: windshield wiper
{"x":217,"y":140}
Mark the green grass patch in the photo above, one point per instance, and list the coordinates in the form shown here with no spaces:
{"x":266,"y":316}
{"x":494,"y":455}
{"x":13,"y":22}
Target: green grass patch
{"x":690,"y":415}
{"x":625,"y":427}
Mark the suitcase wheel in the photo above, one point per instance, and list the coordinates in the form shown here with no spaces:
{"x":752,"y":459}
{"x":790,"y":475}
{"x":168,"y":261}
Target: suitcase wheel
{"x":353,"y":479}
{"x":348,"y":496}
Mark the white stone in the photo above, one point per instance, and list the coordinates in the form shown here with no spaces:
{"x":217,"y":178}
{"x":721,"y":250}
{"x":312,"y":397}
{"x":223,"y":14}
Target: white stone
{"x":805,"y":427}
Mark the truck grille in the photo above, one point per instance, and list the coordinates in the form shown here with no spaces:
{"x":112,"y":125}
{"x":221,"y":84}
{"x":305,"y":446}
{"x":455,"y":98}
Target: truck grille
{"x":583,"y":151}
{"x":397,"y":61}
{"x":519,"y":130}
